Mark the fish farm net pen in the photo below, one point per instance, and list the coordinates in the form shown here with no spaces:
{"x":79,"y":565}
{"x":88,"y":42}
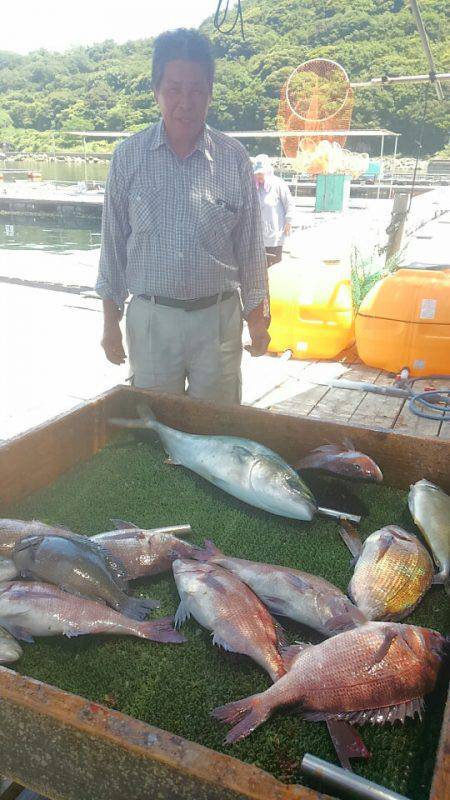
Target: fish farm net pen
{"x":176,"y":688}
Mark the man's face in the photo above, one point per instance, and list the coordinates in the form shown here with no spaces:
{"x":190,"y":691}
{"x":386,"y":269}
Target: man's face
{"x":183,"y":96}
{"x":260,"y":177}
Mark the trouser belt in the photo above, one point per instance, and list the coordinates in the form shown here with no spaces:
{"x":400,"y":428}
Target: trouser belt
{"x":188,"y":305}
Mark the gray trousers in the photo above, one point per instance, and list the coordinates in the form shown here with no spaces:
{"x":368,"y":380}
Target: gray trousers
{"x":177,"y":351}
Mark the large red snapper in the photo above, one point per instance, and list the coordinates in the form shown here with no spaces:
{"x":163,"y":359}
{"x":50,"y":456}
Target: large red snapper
{"x":220,"y":602}
{"x":376,"y":673}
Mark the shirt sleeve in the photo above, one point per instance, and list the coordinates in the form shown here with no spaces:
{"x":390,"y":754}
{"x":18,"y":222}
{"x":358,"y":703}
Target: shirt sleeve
{"x":248,"y":246}
{"x":288,"y":202}
{"x":111,"y":282}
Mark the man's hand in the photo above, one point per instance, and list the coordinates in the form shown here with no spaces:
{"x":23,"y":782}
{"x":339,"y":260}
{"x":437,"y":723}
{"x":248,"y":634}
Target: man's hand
{"x":287,"y":228}
{"x":112,"y":343}
{"x":260,"y":338}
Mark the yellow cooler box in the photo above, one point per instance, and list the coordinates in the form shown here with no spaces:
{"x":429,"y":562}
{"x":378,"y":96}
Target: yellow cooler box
{"x":404,"y":321}
{"x":311,"y":307}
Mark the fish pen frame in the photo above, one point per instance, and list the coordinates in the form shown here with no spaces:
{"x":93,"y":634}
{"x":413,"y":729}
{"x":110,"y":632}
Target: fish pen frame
{"x":66,"y":747}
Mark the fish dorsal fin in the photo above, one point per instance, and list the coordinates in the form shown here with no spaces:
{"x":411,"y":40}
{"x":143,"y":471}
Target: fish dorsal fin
{"x":114,"y":565}
{"x":328,"y":449}
{"x":348,"y":444}
{"x":122,"y":525}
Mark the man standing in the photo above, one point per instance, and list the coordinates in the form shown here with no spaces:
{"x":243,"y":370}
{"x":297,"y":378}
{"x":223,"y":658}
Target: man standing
{"x":182,"y":233}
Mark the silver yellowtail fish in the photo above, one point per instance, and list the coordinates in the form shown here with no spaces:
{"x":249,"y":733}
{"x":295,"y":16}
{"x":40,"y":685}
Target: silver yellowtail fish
{"x":288,"y":592}
{"x":10,"y":650}
{"x":78,"y":566}
{"x":224,"y":605}
{"x":430,"y":510}
{"x":245,"y":469}
{"x":391,"y":575}
{"x":32,"y":608}
{"x":142,"y":552}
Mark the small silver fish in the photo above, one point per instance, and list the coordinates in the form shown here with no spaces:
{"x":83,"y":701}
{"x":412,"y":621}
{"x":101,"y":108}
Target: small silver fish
{"x":78,"y":566}
{"x":10,"y":650}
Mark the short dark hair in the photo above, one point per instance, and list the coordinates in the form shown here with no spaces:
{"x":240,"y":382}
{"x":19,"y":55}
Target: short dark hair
{"x":183,"y":43}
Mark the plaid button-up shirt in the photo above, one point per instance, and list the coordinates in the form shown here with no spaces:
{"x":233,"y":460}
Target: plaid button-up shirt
{"x":181,"y":228}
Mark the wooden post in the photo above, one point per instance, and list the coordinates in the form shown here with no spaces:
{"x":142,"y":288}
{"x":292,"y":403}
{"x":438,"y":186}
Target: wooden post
{"x":396,"y":225}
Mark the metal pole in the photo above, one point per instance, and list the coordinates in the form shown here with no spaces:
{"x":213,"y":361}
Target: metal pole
{"x":387,"y":79}
{"x":381,"y":164}
{"x":396,"y":225}
{"x":426,"y":46}
{"x":344,"y":780}
{"x":85,"y":162}
{"x":393,"y":167}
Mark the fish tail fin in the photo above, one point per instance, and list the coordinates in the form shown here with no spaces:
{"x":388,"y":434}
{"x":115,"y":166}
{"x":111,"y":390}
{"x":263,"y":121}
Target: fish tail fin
{"x":145,"y":412}
{"x":351,"y":538}
{"x":138,"y":607}
{"x":248,"y":713}
{"x":207,"y":552}
{"x":161,"y":630}
{"x":119,"y":422}
{"x":146,"y":419}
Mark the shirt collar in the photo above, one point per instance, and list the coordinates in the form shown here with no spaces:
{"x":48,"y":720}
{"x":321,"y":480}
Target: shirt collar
{"x":204,"y":142}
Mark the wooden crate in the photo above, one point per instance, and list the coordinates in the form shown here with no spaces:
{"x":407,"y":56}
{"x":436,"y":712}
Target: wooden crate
{"x":69,"y":748}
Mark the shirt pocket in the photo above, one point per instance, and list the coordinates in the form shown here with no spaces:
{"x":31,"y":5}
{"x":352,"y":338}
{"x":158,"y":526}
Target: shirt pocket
{"x":215,"y":224}
{"x":145,"y":210}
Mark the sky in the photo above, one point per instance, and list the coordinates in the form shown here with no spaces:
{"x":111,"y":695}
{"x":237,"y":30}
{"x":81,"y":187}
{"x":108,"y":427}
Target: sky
{"x":28,"y":25}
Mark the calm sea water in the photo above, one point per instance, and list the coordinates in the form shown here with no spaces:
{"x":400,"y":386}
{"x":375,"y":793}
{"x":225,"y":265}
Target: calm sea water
{"x":51,"y":234}
{"x":58,"y":171}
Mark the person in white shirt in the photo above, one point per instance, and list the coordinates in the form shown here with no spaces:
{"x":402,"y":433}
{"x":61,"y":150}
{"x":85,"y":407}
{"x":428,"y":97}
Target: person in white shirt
{"x":277,"y":207}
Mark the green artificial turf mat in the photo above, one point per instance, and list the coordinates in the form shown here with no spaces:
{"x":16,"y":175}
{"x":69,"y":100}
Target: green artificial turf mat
{"x":175,"y":687}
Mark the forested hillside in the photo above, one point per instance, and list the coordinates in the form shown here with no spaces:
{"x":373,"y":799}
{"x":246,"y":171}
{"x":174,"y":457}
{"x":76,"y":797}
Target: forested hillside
{"x":107,"y":86}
